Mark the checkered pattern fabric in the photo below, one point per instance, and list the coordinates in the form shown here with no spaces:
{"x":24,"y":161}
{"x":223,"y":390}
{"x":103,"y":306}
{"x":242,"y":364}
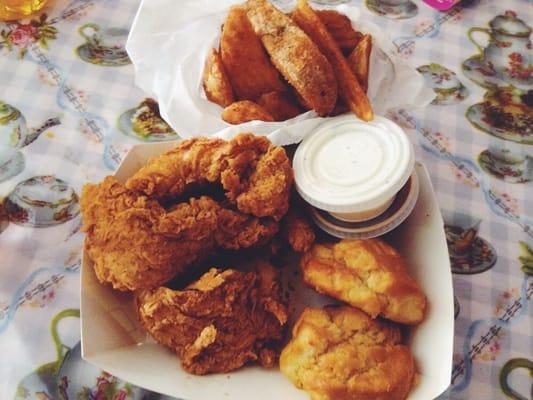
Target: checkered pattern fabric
{"x":60,"y":78}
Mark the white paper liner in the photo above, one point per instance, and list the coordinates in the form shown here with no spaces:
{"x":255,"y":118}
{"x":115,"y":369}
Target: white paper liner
{"x":170,"y":40}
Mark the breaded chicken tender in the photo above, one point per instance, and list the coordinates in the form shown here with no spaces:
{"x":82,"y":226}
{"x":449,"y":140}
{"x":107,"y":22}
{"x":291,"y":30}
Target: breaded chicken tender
{"x":245,"y":111}
{"x":367,"y":274}
{"x":297,"y":230}
{"x":257,"y":177}
{"x":339,"y":353}
{"x":249,"y":69}
{"x":221,"y":322}
{"x":215,"y":81}
{"x":135,"y":243}
{"x":295,"y":55}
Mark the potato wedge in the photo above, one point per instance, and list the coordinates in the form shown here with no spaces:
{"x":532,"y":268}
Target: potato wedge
{"x":359,"y":61}
{"x":279,"y":105}
{"x":340,"y":27}
{"x":250,"y":71}
{"x":295,"y":55}
{"x":349,"y":88}
{"x":245,"y":111}
{"x":215,"y":80}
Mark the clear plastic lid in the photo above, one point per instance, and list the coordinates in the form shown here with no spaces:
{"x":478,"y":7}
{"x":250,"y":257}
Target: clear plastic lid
{"x":348,"y":166}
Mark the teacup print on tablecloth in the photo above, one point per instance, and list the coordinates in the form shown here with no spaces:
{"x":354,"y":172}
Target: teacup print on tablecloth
{"x":41,"y":201}
{"x":507,"y":387}
{"x":395,"y":9}
{"x":103,"y":46}
{"x":445,"y":83}
{"x":469,"y":253}
{"x":145,"y":123}
{"x":71,"y":378}
{"x":506,"y":114}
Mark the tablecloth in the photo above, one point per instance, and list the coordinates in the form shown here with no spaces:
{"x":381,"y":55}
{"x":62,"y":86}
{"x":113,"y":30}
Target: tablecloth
{"x":65,"y":118}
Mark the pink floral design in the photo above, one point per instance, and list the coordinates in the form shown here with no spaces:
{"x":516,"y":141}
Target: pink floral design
{"x":442,"y":140}
{"x":44,"y":77}
{"x":87,"y":132}
{"x":22,"y":36}
{"x":463,"y":178}
{"x":107,"y":387}
{"x":502,"y":45}
{"x":517,"y":69}
{"x":504,"y":300}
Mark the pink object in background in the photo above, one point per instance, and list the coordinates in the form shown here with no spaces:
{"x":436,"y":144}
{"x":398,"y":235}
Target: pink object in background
{"x":442,"y":5}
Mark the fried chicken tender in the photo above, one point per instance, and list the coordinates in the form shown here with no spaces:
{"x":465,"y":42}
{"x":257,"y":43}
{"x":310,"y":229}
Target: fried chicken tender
{"x":249,"y":69}
{"x":135,"y":243}
{"x":359,"y":61}
{"x":256,"y":176}
{"x":215,"y":81}
{"x":367,"y":274}
{"x":295,"y":55}
{"x":339,"y":353}
{"x":245,"y":111}
{"x":279,"y":105}
{"x":340,"y":27}
{"x":297,"y":230}
{"x":219,"y":323}
{"x":349,"y":88}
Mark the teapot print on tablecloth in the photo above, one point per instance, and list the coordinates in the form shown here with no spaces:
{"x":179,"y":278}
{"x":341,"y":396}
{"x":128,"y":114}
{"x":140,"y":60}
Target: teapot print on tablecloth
{"x":506,"y":58}
{"x":14,"y":135}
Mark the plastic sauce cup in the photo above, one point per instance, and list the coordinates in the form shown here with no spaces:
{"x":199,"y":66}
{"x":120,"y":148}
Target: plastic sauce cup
{"x":353,"y":169}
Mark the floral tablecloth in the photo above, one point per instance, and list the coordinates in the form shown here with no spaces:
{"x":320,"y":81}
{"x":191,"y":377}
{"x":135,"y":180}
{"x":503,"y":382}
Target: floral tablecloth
{"x":66,"y":111}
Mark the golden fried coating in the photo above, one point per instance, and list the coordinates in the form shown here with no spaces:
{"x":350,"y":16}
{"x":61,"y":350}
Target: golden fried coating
{"x":135,"y":243}
{"x":297,"y":230}
{"x":279,"y":105}
{"x":359,"y":61}
{"x":249,"y":69}
{"x":256,"y":175}
{"x":219,"y":323}
{"x":215,"y":81}
{"x":295,"y":55}
{"x":349,"y":89}
{"x":339,"y":353}
{"x":340,"y":27}
{"x":368,"y":274}
{"x":245,"y":111}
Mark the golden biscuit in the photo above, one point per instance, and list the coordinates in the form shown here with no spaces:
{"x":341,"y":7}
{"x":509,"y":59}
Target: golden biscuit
{"x":339,"y":353}
{"x":367,"y":274}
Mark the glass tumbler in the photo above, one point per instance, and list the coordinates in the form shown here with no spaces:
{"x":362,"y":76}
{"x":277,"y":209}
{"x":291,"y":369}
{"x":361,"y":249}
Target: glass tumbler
{"x":16,"y":9}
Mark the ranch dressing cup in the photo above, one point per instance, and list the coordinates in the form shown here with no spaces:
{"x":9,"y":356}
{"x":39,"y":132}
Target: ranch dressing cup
{"x":353,"y":169}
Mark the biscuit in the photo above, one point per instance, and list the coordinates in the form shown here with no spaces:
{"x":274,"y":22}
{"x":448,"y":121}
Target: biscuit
{"x":339,"y":353}
{"x":367,"y":274}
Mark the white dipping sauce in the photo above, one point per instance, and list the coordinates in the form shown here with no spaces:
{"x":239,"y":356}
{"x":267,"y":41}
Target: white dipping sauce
{"x":353,"y":169}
